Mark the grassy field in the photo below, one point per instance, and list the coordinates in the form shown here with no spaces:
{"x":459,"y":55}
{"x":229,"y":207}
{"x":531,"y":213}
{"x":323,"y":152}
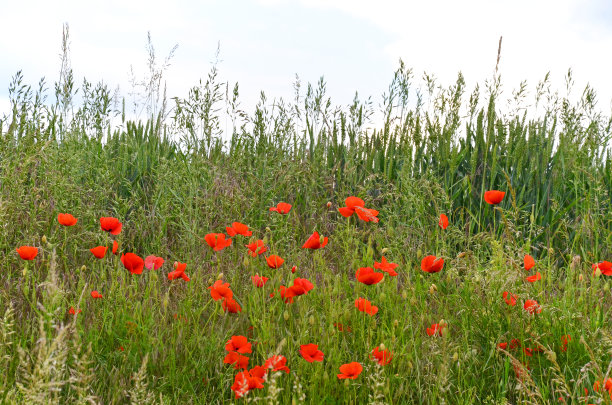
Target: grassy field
{"x":174,"y":178}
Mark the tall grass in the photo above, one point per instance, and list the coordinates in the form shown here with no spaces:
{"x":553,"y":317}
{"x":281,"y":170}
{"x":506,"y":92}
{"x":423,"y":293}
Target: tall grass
{"x":176,"y":176}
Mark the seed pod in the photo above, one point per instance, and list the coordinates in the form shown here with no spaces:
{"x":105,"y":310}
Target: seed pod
{"x":44,"y":240}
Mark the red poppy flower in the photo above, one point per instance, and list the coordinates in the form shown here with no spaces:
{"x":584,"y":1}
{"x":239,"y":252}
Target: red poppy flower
{"x":239,"y":361}
{"x":239,"y":344}
{"x":344,"y":328}
{"x":66,"y":219}
{"x":111,"y":224}
{"x":217,"y":241}
{"x":350,"y":371}
{"x":248,"y":380}
{"x":73,"y":311}
{"x":153,"y":262}
{"x":367,"y":214}
{"x":95,"y":294}
{"x":277,"y":363}
{"x":368,"y":276}
{"x":301,"y":286}
{"x":365,"y":306}
{"x":315,"y":241}
{"x":259,"y":281}
{"x":238,"y":229}
{"x":429,"y":264}
{"x":532,"y":307}
{"x":514,"y":343}
{"x":281,"y":208}
{"x":99,"y":251}
{"x":274,"y":261}
{"x":443,"y":222}
{"x":503,"y":345}
{"x":528,"y":262}
{"x":357,"y":205}
{"x":534,"y":278}
{"x":230,"y":305}
{"x":256,"y":248}
{"x":115,"y":247}
{"x":179,"y":271}
{"x":311,"y":352}
{"x":132,"y":262}
{"x":607,"y":386}
{"x":293,"y":269}
{"x":436,"y":328}
{"x":351,"y":203}
{"x":510,"y":298}
{"x":387,"y":267}
{"x":27,"y":252}
{"x":605,"y":267}
{"x":494,"y":197}
{"x":220,"y":290}
{"x":565,"y":339}
{"x":382,"y":357}
{"x":286,"y":294}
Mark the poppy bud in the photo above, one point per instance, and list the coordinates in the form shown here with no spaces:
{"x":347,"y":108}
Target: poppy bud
{"x":43,"y":240}
{"x":83,"y":268}
{"x":598,"y":272}
{"x":311,"y":320}
{"x":419,"y":253}
{"x":329,"y":204}
{"x":210,"y":280}
{"x":385,"y":250}
{"x":455,"y":356}
{"x":286,"y":315}
{"x":607,"y":287}
{"x":265,"y":240}
{"x":325,"y":375}
{"x":293,"y":269}
{"x":551,"y":251}
{"x":268,"y":229}
{"x":382,"y":296}
{"x":581,"y":278}
{"x":404,"y":294}
{"x":395,"y":323}
{"x":245,"y":262}
{"x":410,"y":365}
{"x":24,"y":271}
{"x":381,"y":346}
{"x":433,"y":289}
{"x":220,"y":276}
{"x":442,"y":323}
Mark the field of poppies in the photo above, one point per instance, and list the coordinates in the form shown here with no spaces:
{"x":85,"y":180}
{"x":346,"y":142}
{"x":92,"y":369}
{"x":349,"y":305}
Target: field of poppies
{"x":459,"y":252}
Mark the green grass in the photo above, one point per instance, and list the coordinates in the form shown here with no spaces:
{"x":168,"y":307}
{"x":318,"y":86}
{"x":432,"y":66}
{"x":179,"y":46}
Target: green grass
{"x":175,"y":178}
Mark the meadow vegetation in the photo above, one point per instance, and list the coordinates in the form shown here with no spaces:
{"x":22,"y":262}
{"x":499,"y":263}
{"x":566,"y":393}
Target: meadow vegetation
{"x":176,"y":176}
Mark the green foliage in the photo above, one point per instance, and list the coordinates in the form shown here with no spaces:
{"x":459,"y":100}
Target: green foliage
{"x":173,"y":180}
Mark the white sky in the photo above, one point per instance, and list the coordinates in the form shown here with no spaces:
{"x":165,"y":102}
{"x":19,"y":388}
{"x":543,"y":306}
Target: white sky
{"x":355,"y":44}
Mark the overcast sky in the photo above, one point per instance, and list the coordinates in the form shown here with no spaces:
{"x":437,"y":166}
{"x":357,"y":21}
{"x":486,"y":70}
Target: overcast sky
{"x":355,"y":44}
